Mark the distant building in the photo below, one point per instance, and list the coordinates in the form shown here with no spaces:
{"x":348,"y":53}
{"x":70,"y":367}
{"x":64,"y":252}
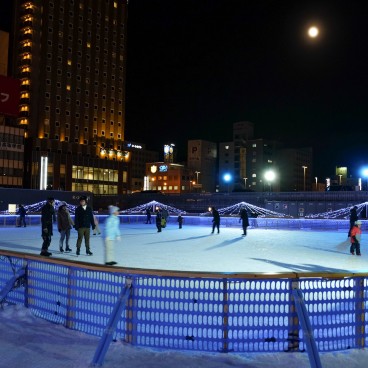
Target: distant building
{"x":139,"y":156}
{"x":202,"y":164}
{"x":261,"y":155}
{"x":70,"y":57}
{"x":243,"y":132}
{"x":226,"y":167}
{"x":167,"y":177}
{"x":295,"y":166}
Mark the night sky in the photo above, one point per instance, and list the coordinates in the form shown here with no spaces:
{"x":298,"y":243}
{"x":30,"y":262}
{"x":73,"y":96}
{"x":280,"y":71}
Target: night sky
{"x":197,"y":66}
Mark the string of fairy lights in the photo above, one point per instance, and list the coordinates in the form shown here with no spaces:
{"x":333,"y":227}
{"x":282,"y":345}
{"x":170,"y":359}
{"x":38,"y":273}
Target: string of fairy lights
{"x":342,"y":213}
{"x":152,"y":207}
{"x":253,"y":210}
{"x":234,"y":210}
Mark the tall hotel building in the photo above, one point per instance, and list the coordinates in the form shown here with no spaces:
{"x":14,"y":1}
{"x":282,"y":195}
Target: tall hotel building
{"x":70,"y":56}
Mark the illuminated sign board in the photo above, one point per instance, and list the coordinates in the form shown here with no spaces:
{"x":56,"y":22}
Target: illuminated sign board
{"x":162,"y":168}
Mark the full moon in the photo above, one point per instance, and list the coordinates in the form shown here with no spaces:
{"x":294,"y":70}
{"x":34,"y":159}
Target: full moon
{"x":313,"y":32}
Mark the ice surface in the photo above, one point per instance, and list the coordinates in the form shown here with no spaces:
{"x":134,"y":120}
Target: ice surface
{"x":28,"y":341}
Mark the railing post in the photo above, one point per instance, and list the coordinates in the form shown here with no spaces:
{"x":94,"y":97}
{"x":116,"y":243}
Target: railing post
{"x":359,"y":313}
{"x":293,"y":335}
{"x":225,"y":317}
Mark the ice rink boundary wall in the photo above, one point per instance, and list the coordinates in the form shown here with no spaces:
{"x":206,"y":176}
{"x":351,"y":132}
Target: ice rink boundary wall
{"x":266,"y":223}
{"x":193,"y":311}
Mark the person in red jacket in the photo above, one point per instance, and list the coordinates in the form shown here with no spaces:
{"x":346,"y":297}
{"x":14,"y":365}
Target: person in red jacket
{"x":355,"y":236}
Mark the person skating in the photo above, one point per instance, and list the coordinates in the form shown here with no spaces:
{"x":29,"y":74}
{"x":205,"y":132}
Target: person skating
{"x":355,"y":236}
{"x":180,"y":221}
{"x":158,"y":219}
{"x":215,"y":220}
{"x":47,"y":219}
{"x":148,"y":216}
{"x":96,"y":230}
{"x":83,"y":223}
{"x":353,"y":217}
{"x":22,"y":216}
{"x":244,"y":220}
{"x":112,"y":234}
{"x":65,"y":223}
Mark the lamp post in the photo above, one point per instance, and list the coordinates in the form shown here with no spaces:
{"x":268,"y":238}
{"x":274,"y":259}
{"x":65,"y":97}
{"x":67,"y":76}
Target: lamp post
{"x":227,"y":179}
{"x":304,"y":168}
{"x":316,"y":183}
{"x":340,"y":179}
{"x":365,"y":173}
{"x":245,"y":183}
{"x":270,"y":177}
{"x":197,"y":173}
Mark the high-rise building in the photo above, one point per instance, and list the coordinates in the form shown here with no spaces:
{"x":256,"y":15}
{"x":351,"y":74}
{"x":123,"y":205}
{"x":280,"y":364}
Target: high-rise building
{"x":70,"y":57}
{"x":202,"y":163}
{"x":295,"y":167}
{"x":11,"y":137}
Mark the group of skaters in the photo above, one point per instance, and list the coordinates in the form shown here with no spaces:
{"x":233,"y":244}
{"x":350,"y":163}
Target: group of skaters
{"x":84,"y":220}
{"x":162,"y":216}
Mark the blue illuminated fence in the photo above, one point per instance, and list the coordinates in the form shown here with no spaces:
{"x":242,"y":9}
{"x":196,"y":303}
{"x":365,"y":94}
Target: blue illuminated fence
{"x":226,"y":221}
{"x":187,"y":311}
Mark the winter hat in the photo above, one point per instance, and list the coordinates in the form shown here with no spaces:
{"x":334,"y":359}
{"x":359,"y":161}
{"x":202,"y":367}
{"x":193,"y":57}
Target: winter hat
{"x":82,"y":198}
{"x":358,"y":222}
{"x":113,"y":209}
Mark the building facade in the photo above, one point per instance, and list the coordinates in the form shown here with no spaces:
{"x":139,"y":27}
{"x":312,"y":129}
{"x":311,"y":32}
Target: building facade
{"x":168,"y":178}
{"x":295,"y":167}
{"x":70,"y":56}
{"x":202,"y":163}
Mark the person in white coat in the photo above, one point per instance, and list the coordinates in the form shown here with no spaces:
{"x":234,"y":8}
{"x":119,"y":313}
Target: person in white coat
{"x":112,"y":234}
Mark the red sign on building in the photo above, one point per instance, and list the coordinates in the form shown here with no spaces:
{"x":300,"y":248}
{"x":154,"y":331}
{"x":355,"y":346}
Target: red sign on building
{"x":9,"y":96}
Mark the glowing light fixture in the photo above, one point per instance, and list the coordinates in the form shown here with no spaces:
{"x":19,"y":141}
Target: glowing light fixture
{"x":43,"y":173}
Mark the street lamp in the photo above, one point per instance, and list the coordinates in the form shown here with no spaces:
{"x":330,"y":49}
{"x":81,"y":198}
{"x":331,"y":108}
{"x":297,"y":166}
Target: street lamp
{"x":365,"y":173}
{"x":270,"y":177}
{"x":197,"y":172}
{"x":245,"y":182}
{"x":227,"y":178}
{"x":304,"y":168}
{"x":316,"y":183}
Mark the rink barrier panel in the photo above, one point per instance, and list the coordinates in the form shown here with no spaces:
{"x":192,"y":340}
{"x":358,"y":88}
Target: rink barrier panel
{"x":226,"y":221}
{"x":194,"y":311}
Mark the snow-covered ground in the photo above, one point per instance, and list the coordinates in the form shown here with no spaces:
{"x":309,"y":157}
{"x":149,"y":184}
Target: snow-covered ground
{"x":28,"y":341}
{"x":31,"y":342}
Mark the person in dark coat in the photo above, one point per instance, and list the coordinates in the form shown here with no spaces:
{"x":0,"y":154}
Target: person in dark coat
{"x":22,"y":216}
{"x":244,"y":220}
{"x":180,"y":221}
{"x":353,"y":218}
{"x":47,"y":219}
{"x":148,"y":214}
{"x":83,"y":222}
{"x":65,"y":223}
{"x":215,"y":220}
{"x":158,"y":219}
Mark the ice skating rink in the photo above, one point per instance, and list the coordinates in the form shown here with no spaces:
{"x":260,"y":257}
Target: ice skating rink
{"x":194,"y":248}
